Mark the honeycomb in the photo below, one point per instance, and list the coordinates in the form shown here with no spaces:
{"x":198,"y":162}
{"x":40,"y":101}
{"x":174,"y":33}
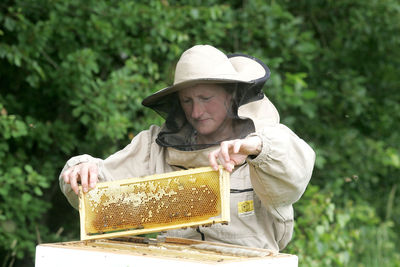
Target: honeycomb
{"x":155,"y":203}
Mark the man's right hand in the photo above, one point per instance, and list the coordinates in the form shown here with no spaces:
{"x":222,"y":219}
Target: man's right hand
{"x":85,"y":173}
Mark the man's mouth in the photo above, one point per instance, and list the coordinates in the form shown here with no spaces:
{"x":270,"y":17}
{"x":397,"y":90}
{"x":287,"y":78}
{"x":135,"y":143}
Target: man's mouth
{"x":201,"y":120}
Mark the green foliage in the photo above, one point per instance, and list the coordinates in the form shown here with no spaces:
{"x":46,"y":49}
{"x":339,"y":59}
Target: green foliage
{"x":327,"y":234}
{"x":21,"y":189}
{"x":73,"y":74}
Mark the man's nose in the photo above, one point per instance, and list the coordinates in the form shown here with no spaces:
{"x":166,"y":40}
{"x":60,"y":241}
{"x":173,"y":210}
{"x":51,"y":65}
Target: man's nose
{"x":197,"y":110}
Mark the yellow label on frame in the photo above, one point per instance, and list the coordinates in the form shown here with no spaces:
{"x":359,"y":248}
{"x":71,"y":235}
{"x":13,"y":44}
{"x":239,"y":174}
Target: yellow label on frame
{"x":246,"y":207}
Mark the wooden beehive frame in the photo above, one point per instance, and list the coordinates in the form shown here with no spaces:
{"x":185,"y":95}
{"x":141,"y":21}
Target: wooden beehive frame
{"x":224,"y":193}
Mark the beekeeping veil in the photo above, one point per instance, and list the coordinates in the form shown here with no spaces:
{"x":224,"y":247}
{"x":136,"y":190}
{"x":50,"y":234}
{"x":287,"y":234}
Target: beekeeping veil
{"x":242,"y":76}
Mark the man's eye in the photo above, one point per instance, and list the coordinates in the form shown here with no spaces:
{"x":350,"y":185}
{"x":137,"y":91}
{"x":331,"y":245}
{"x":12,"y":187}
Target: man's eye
{"x":204,"y":98}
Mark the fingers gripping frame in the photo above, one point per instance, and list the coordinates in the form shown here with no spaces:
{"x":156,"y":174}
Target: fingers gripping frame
{"x":155,"y":203}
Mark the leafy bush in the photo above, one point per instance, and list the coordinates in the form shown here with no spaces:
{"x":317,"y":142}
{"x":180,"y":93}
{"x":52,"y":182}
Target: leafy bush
{"x":352,"y":234}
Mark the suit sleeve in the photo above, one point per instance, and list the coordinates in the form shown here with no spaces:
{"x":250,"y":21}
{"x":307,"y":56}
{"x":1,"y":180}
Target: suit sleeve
{"x":283,"y":169}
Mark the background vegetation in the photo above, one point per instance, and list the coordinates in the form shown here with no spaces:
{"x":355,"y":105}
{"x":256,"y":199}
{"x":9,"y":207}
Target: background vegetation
{"x":73,"y":74}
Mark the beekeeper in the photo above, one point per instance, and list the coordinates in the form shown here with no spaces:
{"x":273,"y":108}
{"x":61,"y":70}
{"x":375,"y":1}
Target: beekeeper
{"x":215,"y":113}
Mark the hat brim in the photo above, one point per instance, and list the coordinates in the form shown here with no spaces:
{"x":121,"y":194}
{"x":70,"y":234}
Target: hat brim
{"x":240,"y":61}
{"x":148,"y":101}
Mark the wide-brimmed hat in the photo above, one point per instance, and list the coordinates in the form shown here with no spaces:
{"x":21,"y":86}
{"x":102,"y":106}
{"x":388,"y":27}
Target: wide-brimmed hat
{"x":207,"y":64}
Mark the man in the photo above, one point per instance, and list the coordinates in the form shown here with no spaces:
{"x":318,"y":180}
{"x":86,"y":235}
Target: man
{"x":216,"y":113}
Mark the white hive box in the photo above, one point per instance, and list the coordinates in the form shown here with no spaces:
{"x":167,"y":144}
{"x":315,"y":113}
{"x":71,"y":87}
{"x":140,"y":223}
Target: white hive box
{"x":137,"y":251}
{"x":115,"y":211}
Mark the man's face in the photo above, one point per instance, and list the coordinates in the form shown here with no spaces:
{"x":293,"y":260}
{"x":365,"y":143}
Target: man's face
{"x":206,"y":108}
